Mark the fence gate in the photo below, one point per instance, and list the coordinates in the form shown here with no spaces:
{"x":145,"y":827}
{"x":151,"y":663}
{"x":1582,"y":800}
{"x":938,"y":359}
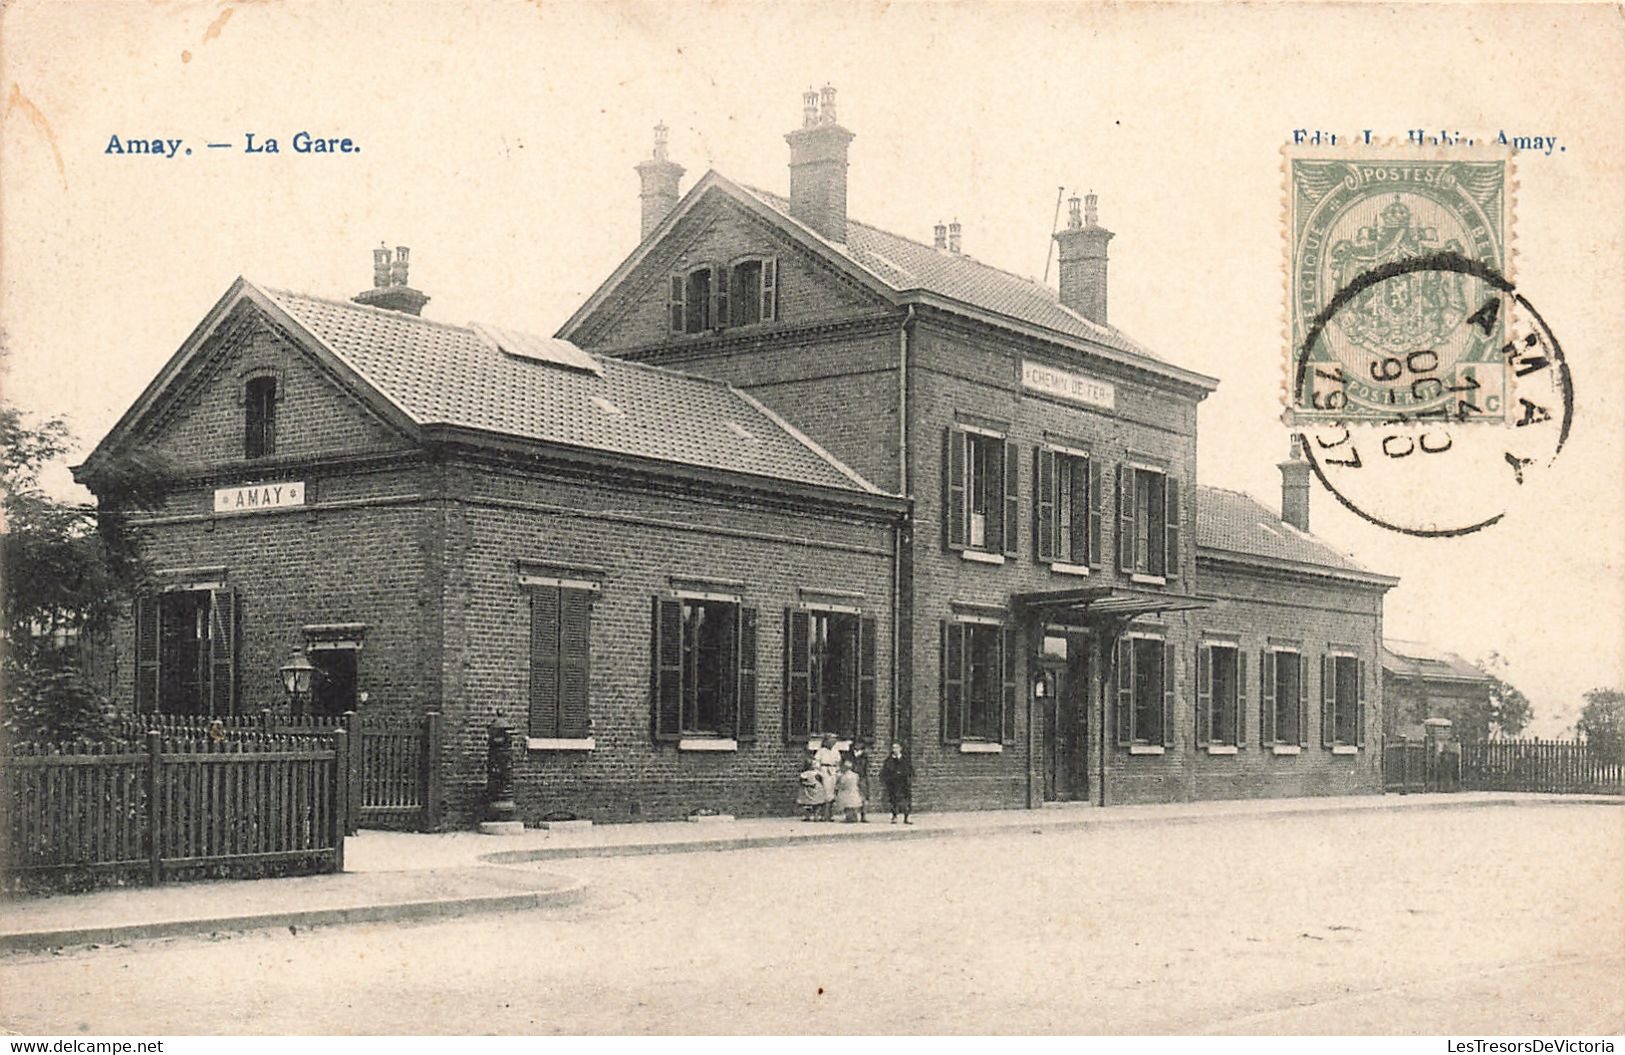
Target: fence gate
{"x":1412,"y":765}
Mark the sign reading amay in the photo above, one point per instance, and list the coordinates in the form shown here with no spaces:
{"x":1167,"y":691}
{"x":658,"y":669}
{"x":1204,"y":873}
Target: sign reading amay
{"x":1064,"y":384}
{"x":259,"y":497}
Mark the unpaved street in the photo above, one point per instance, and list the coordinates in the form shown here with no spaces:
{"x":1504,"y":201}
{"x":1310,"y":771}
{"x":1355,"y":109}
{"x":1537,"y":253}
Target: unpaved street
{"x":1463,"y":921}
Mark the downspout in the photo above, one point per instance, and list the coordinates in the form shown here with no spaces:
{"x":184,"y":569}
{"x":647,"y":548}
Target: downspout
{"x":898,"y":530}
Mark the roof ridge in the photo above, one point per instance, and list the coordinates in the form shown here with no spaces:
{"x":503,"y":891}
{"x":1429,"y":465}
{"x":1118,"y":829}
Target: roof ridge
{"x":398,"y":316}
{"x":978,"y":261}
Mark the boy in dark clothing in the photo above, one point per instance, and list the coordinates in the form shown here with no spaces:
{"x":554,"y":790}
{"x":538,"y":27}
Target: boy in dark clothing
{"x":897,"y":776}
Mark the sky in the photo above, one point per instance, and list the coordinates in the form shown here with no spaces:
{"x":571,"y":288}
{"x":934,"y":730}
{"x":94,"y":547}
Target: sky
{"x":497,"y":141}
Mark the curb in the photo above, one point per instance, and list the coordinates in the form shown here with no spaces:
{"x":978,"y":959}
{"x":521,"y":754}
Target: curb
{"x":1043,"y":821}
{"x":447,"y":908}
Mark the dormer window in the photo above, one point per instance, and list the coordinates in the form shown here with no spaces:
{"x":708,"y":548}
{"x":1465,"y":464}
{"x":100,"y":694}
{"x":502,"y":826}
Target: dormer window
{"x":712,"y":297}
{"x":259,"y":414}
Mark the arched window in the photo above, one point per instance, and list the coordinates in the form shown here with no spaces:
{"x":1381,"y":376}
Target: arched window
{"x":259,"y":417}
{"x":710,"y":297}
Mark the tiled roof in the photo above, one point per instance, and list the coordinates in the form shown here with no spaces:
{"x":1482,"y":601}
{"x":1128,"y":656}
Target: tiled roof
{"x":1417,"y":660}
{"x":452,"y":375}
{"x":1236,"y":523}
{"x":904,"y":264}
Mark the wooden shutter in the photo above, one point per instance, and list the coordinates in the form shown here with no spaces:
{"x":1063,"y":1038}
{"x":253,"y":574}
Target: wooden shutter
{"x":1044,"y":505}
{"x":677,"y":304}
{"x":1328,"y":700}
{"x":953,"y":488}
{"x":1124,"y":718}
{"x":1266,"y":697}
{"x":1170,"y":513}
{"x":1303,"y":700}
{"x":222,"y":652}
{"x":1079,"y":468}
{"x":770,"y":289}
{"x":667,"y":668}
{"x":1204,"y":695}
{"x":1095,"y":550}
{"x":1012,"y":500}
{"x":797,"y":674}
{"x":146,"y":653}
{"x":745,"y":697}
{"x":1359,"y":709}
{"x":866,"y":678}
{"x":1007,"y":700}
{"x":719,"y":297}
{"x":1241,"y":698}
{"x":1168,"y":668}
{"x":575,"y":664}
{"x":544,"y":661}
{"x":1125,"y":518}
{"x":953,"y":681}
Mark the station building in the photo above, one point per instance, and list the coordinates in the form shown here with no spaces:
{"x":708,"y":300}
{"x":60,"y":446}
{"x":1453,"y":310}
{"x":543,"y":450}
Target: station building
{"x":783,"y":473}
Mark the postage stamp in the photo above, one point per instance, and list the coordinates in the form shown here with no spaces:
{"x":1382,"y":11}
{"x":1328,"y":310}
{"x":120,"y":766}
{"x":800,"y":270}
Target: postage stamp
{"x":1422,"y":386}
{"x":1382,"y":287}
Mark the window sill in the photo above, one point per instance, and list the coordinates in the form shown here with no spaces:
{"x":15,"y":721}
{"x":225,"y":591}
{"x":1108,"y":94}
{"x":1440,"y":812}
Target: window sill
{"x":1148,"y":580}
{"x":1285,"y":749}
{"x":554,"y":743}
{"x":980,"y":747}
{"x":1345,"y":749}
{"x":707,"y":744}
{"x":840,"y":745}
{"x":1221,"y":749}
{"x":981,"y":556}
{"x":1064,"y":568}
{"x":1147,"y":749}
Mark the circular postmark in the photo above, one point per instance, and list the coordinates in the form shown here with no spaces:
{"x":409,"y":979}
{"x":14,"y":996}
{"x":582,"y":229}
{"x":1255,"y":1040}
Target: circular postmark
{"x":1430,"y":431}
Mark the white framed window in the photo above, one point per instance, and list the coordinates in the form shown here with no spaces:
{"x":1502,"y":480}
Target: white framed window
{"x":1148,"y":522}
{"x":977,"y":667}
{"x":1342,"y":700}
{"x":1144,"y":715}
{"x":1221,"y":695}
{"x":1066,"y":508}
{"x":1283,"y":699}
{"x":981,"y":503}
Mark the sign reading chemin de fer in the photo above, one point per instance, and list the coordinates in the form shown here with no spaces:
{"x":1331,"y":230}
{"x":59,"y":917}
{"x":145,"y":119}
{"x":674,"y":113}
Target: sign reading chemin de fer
{"x":1064,"y":384}
{"x":257,"y":498}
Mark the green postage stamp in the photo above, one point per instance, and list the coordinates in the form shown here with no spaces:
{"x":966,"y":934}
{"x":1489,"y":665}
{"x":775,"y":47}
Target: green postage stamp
{"x":1393,"y":255}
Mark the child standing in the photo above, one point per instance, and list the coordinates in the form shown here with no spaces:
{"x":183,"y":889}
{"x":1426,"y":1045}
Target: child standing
{"x":858,"y":754}
{"x":809,"y":789}
{"x":848,"y":799}
{"x":898,"y":778}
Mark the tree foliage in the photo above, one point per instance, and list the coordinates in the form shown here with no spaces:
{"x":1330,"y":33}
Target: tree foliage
{"x":1602,"y":723}
{"x":1510,"y":710}
{"x":65,"y":574}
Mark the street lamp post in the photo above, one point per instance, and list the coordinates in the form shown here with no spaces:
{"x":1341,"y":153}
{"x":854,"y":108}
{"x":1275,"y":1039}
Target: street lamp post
{"x":298,"y":678}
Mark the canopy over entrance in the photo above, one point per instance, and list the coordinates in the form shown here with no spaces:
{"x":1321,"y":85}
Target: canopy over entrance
{"x":1100,"y":603}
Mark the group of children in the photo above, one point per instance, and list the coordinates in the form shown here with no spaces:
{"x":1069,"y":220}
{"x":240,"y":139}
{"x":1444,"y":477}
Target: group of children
{"x":836,"y":780}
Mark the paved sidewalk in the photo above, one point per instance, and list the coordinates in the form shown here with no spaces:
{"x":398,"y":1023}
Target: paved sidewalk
{"x":388,"y":851}
{"x":108,"y":916}
{"x":395,"y":875}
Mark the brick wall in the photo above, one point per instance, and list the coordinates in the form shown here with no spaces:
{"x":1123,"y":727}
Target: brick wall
{"x":640,"y":539}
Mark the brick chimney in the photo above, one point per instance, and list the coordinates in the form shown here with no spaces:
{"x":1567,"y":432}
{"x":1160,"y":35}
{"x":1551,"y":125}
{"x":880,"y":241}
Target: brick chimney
{"x":818,"y":166}
{"x":1083,"y":260}
{"x":1295,"y":487}
{"x":658,"y":176}
{"x":389,"y":286}
{"x":940,"y":236}
{"x":953,"y":238}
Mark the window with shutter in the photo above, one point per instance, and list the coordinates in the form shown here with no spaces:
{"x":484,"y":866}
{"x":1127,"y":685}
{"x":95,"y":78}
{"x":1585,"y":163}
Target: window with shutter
{"x":952,"y":673}
{"x":698,"y":301}
{"x":544,"y":661}
{"x":1224,"y":686}
{"x":1287,"y":686}
{"x":1125,"y":518}
{"x":1007,"y":699}
{"x":720,"y":312}
{"x":770,"y":289}
{"x":955,"y":535}
{"x":744,"y":724}
{"x":1095,"y":545}
{"x":1010,"y":475}
{"x":984,"y":676}
{"x":1168,"y":694}
{"x":1266,"y":698}
{"x":866,"y":678}
{"x":667,"y":667}
{"x":575,"y":664}
{"x":1204,"y":695}
{"x":1124,"y":717}
{"x":1170,"y":560}
{"x":1343,"y":697}
{"x":1241,"y":699}
{"x":1045,"y":531}
{"x":1328,"y":700}
{"x":1303,"y":700}
{"x":259,"y":417}
{"x":186,"y":654}
{"x":146,"y":653}
{"x":677,"y":304}
{"x":797,"y":674}
{"x":1359,"y":707}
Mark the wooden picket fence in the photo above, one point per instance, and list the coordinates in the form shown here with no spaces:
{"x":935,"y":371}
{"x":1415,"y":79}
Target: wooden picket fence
{"x":162,"y":809}
{"x":1539,"y":765}
{"x":394,"y":763}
